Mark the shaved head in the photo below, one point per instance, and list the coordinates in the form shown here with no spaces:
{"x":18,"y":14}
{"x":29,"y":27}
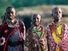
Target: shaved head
{"x":56,"y":9}
{"x":57,"y":14}
{"x":36,"y":19}
{"x":10,"y":9}
{"x":36,"y":16}
{"x":10,"y":12}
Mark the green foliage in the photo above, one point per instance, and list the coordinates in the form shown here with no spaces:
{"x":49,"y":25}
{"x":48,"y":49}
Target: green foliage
{"x":23,"y":3}
{"x":27,"y":3}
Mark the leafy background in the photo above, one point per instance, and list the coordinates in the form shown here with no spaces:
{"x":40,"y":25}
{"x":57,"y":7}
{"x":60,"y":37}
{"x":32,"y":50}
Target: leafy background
{"x":25,"y":9}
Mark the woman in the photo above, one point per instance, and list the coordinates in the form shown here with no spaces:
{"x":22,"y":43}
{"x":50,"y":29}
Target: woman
{"x":12,"y":32}
{"x":56,"y":31}
{"x":36,"y":38}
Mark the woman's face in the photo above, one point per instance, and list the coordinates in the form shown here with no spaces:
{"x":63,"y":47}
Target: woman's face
{"x":11,"y":14}
{"x":57,"y":14}
{"x":37,"y":19}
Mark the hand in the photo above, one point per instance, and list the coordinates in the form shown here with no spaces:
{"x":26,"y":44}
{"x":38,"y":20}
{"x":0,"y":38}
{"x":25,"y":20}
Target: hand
{"x":2,"y":41}
{"x":42,"y":41}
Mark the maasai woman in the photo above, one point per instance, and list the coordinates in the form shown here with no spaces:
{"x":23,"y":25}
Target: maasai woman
{"x":55,"y":31}
{"x":36,"y":38}
{"x":12,"y":32}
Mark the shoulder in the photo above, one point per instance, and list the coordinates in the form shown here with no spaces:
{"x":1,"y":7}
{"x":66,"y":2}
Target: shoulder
{"x":65,"y":25}
{"x":49,"y":25}
{"x":3,"y":27}
{"x":21,"y":22}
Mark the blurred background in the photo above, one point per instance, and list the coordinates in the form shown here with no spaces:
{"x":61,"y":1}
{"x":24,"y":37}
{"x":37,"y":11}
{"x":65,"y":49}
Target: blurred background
{"x":25,"y":9}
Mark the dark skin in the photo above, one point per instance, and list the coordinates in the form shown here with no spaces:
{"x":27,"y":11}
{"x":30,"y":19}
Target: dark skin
{"x":57,"y":14}
{"x":10,"y":14}
{"x":36,"y":20}
{"x":57,"y":17}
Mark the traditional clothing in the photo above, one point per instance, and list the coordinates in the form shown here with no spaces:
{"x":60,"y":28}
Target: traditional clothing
{"x":36,"y":39}
{"x":14,"y":35}
{"x":55,"y":34}
{"x":64,"y":43}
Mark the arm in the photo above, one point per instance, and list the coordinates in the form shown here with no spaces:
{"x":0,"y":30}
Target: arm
{"x":22,"y":29}
{"x":44,"y":40}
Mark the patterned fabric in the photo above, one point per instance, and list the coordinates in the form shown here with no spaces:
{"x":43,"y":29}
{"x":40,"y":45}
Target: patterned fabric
{"x":55,"y":34}
{"x":64,"y":43}
{"x":14,"y":35}
{"x":37,"y":32}
{"x":13,"y":40}
{"x":36,"y":39}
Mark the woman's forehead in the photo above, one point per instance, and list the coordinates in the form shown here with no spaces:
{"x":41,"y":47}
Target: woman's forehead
{"x":11,"y":10}
{"x":57,"y":9}
{"x":37,"y":16}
